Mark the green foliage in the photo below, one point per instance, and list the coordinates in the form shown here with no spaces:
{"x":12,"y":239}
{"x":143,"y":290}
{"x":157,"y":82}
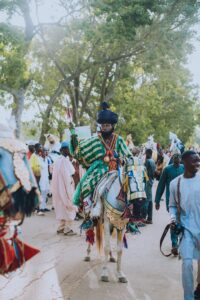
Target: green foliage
{"x":131,"y":52}
{"x":156,"y":107}
{"x":13,"y":65}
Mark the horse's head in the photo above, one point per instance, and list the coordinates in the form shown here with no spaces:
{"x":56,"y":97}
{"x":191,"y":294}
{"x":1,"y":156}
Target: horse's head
{"x":18,"y":188}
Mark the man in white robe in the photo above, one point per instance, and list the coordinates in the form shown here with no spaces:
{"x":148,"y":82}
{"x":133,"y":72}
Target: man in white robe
{"x":62,"y":191}
{"x":44,"y":180}
{"x":189,"y":218}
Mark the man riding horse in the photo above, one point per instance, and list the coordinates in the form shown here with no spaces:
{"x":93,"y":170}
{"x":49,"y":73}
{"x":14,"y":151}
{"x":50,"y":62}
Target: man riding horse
{"x":99,"y":155}
{"x":108,"y":187}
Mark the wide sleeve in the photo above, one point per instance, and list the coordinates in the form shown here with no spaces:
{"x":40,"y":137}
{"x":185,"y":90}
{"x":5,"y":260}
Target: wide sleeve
{"x":89,"y":150}
{"x":161,"y":186}
{"x":122,"y":149}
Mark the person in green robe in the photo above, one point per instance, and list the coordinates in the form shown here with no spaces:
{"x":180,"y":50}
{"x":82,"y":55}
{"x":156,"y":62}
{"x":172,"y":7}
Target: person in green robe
{"x":98,"y":154}
{"x":169,"y":173}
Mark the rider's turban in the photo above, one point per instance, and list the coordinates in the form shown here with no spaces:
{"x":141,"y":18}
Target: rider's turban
{"x":106,"y":115}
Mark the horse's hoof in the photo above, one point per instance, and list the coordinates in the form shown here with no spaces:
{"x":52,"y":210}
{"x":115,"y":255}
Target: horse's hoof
{"x":104,"y":278}
{"x":87,"y":258}
{"x":122,"y":279}
{"x":112,"y":259}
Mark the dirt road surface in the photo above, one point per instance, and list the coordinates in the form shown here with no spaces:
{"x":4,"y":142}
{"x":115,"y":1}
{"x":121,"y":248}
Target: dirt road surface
{"x":59,"y":271}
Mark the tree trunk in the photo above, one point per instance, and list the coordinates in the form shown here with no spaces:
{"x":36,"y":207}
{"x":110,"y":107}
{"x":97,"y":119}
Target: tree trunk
{"x":46,"y":115}
{"x":44,"y":130}
{"x":19,"y":98}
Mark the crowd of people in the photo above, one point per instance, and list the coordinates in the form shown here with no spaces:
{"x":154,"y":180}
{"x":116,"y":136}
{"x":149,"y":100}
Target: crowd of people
{"x":179,"y":177}
{"x":56,"y":179}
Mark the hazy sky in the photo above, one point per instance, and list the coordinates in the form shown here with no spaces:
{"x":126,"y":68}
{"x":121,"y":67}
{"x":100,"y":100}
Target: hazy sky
{"x":49,"y":11}
{"x":194,"y":59}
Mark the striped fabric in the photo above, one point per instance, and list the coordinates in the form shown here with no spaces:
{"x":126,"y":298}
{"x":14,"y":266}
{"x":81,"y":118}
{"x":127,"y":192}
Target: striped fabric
{"x":90,"y":153}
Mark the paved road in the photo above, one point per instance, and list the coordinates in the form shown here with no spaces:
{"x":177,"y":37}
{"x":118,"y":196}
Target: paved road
{"x":59,"y":271}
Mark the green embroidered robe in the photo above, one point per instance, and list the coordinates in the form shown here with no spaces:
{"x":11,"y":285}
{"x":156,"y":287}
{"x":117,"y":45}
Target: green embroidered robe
{"x":90,"y":153}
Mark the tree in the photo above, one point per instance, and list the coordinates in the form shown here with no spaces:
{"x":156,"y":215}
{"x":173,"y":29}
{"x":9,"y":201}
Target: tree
{"x":103,"y":49}
{"x":90,"y":52}
{"x":14,"y":45}
{"x":156,"y":107}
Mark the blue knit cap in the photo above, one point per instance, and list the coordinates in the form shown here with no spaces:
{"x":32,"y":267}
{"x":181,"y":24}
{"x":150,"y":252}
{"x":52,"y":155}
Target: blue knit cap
{"x":65,"y":144}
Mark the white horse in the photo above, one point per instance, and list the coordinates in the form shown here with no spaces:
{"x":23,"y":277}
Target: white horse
{"x":111,"y":209}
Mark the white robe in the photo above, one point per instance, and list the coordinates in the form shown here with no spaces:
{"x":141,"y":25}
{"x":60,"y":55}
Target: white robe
{"x":190,"y":214}
{"x":63,"y":189}
{"x":44,"y":179}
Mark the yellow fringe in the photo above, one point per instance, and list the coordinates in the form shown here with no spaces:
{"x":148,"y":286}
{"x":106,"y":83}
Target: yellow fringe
{"x":125,"y":185}
{"x":119,"y":237}
{"x":99,"y":235}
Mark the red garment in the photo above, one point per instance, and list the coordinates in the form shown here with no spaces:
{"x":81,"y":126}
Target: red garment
{"x":29,"y":154}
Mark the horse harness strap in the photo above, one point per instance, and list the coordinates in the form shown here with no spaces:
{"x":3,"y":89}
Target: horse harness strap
{"x":162,"y":239}
{"x":178,"y":219}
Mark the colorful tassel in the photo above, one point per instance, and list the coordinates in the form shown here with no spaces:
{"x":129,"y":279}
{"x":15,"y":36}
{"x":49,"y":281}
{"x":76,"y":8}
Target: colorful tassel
{"x":132,"y":228}
{"x":87,"y":224}
{"x":90,"y":236}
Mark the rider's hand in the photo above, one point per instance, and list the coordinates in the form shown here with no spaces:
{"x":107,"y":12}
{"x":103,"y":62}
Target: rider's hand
{"x":157,"y":206}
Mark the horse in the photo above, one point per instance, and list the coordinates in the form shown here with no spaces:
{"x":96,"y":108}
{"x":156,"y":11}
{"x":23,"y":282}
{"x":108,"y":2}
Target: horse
{"x":18,"y":198}
{"x":111,"y":207}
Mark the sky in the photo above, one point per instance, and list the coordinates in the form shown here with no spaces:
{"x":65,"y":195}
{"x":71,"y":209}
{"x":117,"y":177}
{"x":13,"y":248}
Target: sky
{"x":50,"y":12}
{"x":194,"y":58}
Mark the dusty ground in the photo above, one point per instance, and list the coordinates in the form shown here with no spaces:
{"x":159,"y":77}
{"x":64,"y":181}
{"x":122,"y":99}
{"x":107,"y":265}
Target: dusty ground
{"x":59,"y":271}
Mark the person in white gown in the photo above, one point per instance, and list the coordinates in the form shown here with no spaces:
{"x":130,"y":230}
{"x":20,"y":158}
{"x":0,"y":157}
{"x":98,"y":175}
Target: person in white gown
{"x":187,"y":186}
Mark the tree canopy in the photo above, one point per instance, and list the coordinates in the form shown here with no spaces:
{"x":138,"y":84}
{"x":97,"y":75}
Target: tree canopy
{"x":131,"y":53}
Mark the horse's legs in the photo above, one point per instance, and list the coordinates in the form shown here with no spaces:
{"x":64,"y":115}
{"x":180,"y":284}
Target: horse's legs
{"x":87,"y":257}
{"x":104,"y":273}
{"x":121,"y":276}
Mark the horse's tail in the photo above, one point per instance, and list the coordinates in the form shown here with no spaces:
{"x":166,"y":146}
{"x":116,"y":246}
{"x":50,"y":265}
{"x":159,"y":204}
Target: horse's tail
{"x":99,"y":235}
